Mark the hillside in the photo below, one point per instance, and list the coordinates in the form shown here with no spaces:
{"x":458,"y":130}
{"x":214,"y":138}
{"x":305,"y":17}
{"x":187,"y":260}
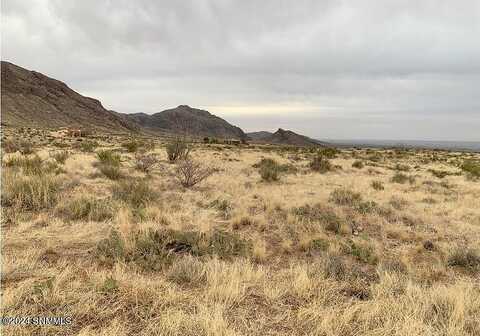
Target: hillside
{"x":32,"y":99}
{"x":187,"y":120}
{"x":284,"y":137}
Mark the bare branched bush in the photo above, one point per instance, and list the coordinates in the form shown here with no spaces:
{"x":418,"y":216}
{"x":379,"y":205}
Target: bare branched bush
{"x":178,"y":149}
{"x":190,"y":172}
{"x":145,"y":162}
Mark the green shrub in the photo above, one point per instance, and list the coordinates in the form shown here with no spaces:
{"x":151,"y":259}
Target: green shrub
{"x":321,"y":164}
{"x":34,"y":192}
{"x":136,"y":192}
{"x":377,"y":185}
{"x":472,"y":168}
{"x":109,"y":157}
{"x":60,"y":156}
{"x":402,"y":178}
{"x":177,"y":149}
{"x":112,"y":172}
{"x":345,"y":197}
{"x":328,"y":152}
{"x":362,"y":251}
{"x":89,"y":208}
{"x":26,"y":147}
{"x":358,"y":164}
{"x":154,"y":249}
{"x":30,"y":165}
{"x":88,"y":146}
{"x":402,"y":167}
{"x":465,"y":257}
{"x":269,"y":170}
{"x":131,"y":146}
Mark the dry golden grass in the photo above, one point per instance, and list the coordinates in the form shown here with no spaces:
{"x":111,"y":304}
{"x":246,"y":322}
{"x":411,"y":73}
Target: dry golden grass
{"x":314,"y":253}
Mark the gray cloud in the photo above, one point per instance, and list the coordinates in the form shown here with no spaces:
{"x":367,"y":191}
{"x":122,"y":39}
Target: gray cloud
{"x":337,"y":69}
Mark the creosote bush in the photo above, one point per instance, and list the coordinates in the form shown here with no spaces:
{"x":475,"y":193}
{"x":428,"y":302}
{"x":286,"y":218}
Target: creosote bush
{"x":131,"y":146}
{"x":377,"y":185}
{"x":136,"y":192}
{"x":402,"y":178}
{"x":467,"y":258}
{"x":345,"y":197}
{"x":88,"y":146}
{"x":269,"y":170}
{"x":321,"y":164}
{"x":87,"y":208}
{"x":472,"y":168}
{"x":112,"y":172}
{"x":190,"y":172}
{"x":358,"y":164}
{"x":108,"y":157}
{"x":177,"y":149}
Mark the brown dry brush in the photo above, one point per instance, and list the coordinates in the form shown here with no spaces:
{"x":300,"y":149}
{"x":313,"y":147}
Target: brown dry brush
{"x":190,"y":172}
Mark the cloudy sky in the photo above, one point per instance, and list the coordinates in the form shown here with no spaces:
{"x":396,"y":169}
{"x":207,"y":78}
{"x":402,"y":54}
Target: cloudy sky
{"x":368,"y":69}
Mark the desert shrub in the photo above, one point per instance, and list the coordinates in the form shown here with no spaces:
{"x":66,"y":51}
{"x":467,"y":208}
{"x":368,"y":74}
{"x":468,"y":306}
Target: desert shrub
{"x":112,"y":247}
{"x":398,"y":203}
{"x":187,"y":270}
{"x":34,"y":192}
{"x":466,"y":258}
{"x":60,"y":156}
{"x":145,"y":162}
{"x":319,"y":244}
{"x":326,"y":216}
{"x":393,"y":266}
{"x":439,"y":173}
{"x":320,"y":164}
{"x":377,"y":185}
{"x":108,"y":157}
{"x":136,"y":192}
{"x":402,"y":167}
{"x":345,"y":197}
{"x":358,"y":164}
{"x":131,"y":146}
{"x":375,"y":157}
{"x":177,"y":149}
{"x":189,"y":172}
{"x":335,"y":267}
{"x":111,"y":172}
{"x":269,"y":170}
{"x":87,"y":207}
{"x":88,"y":146}
{"x":472,"y":168}
{"x":25,"y":147}
{"x":10,"y":146}
{"x":154,"y":249}
{"x":362,"y":251}
{"x":366,"y":207}
{"x":30,"y":165}
{"x":328,"y":152}
{"x":402,"y":178}
{"x":224,"y":206}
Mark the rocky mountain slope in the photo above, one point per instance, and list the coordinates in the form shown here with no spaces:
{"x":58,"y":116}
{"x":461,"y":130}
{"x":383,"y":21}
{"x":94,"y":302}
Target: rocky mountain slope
{"x":187,"y":120}
{"x":32,"y":99}
{"x":284,"y":137}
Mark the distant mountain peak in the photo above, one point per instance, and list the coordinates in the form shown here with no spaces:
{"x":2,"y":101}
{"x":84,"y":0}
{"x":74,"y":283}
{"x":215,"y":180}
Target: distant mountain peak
{"x":284,"y":137}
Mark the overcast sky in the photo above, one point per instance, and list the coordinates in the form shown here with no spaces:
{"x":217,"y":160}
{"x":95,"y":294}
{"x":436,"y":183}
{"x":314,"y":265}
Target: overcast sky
{"x":329,"y":69}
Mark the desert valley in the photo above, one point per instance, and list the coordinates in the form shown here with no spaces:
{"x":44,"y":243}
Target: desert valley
{"x":179,"y":223}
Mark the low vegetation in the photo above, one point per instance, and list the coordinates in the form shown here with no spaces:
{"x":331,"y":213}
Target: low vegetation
{"x":273,"y":240}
